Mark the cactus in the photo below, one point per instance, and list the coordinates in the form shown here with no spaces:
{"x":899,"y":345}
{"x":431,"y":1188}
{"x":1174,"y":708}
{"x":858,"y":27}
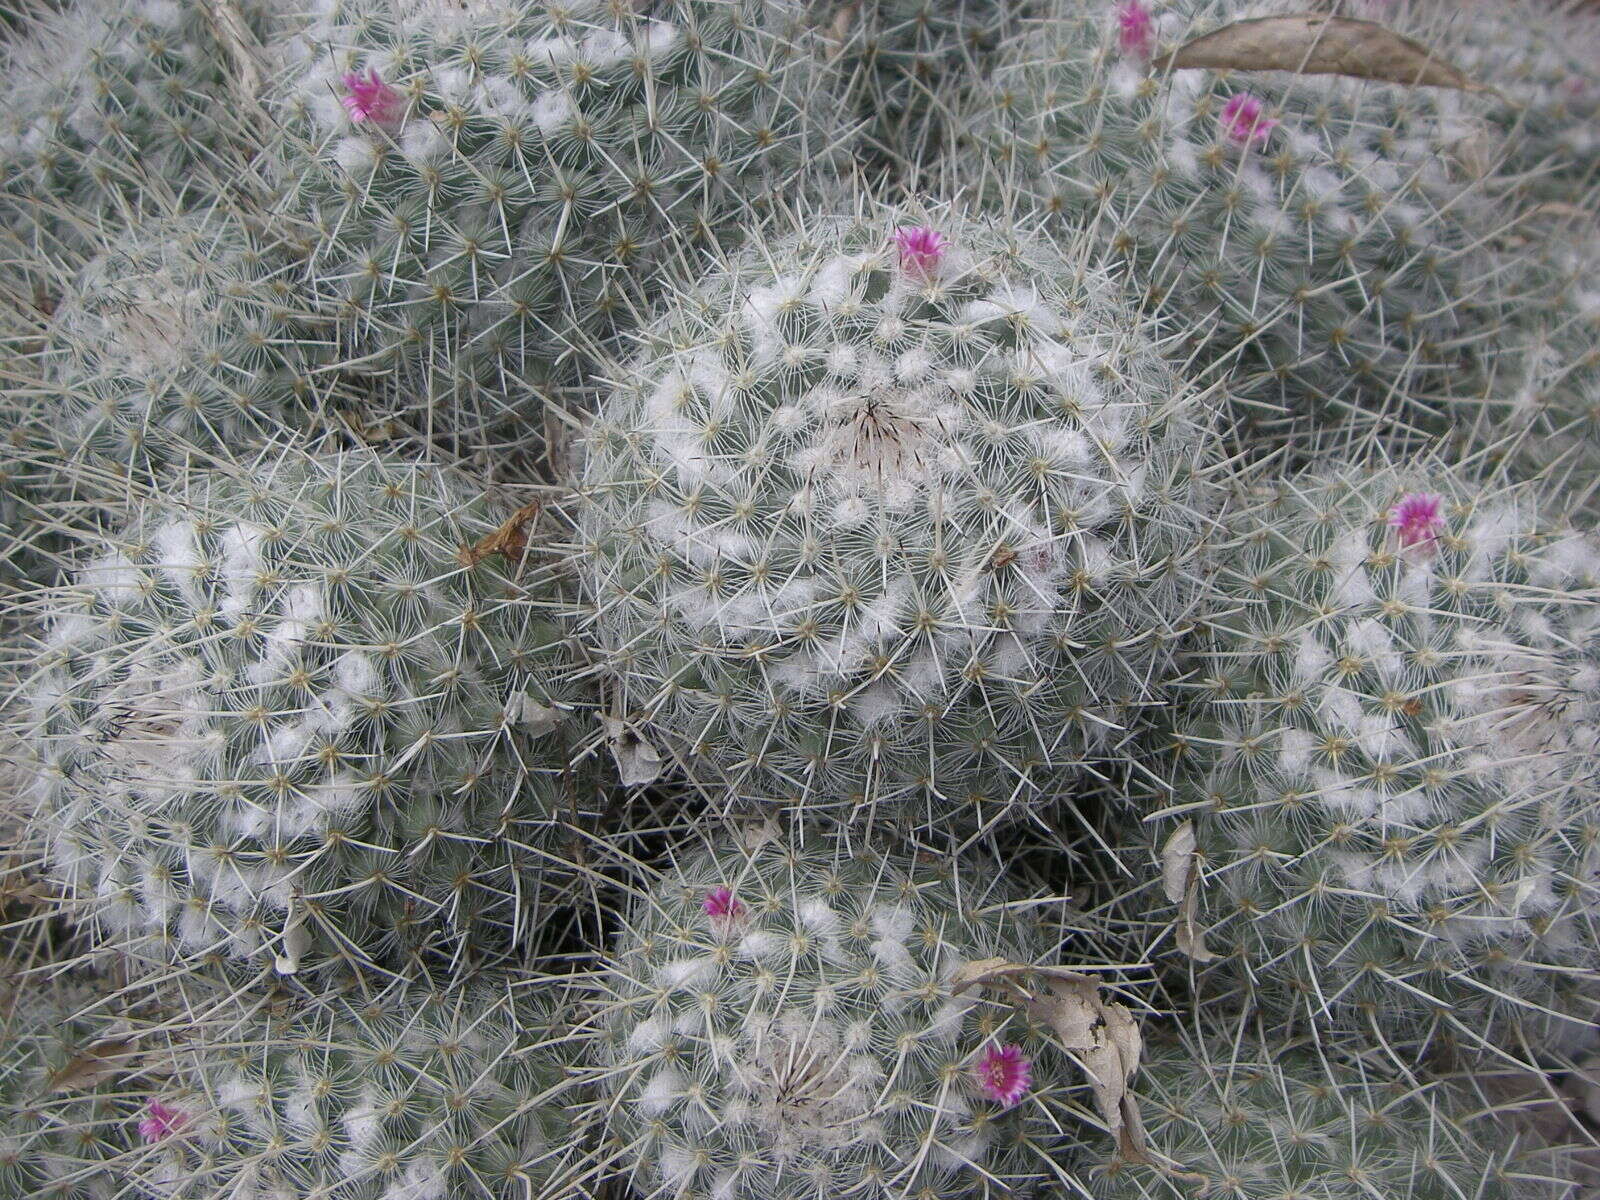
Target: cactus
{"x":1539,"y":57}
{"x":893,"y":518}
{"x":497,"y":184}
{"x":1533,"y":401}
{"x":63,"y":1120}
{"x":180,"y":340}
{"x":1320,"y":237}
{"x":779,"y":1023}
{"x":912,"y":61}
{"x":1389,"y":753}
{"x":411,"y":1092}
{"x":107,"y":103}
{"x":276,"y":716}
{"x":1236,"y":1116}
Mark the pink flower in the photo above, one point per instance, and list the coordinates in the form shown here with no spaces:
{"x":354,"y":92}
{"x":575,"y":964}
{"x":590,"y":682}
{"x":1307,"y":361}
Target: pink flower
{"x":1136,"y":30}
{"x":1004,"y":1074}
{"x":162,"y":1122}
{"x":1244,"y":122}
{"x":921,"y":249}
{"x":371,"y":99}
{"x":721,"y":904}
{"x":1419,"y":517}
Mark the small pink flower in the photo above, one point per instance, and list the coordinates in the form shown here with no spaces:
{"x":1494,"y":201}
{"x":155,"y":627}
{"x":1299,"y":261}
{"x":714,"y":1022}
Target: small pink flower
{"x":1004,"y":1074}
{"x":162,"y":1122}
{"x":1136,"y":30}
{"x":722,"y":904}
{"x":1244,"y":122}
{"x":921,"y":249}
{"x":1419,"y":517}
{"x":371,"y":99}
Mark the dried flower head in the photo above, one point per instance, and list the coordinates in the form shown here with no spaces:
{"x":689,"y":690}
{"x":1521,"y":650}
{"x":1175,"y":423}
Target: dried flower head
{"x":162,"y":1122}
{"x":1136,"y":30}
{"x":720,"y":903}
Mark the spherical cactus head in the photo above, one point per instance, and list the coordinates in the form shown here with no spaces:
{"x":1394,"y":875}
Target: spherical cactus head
{"x":787,"y":1017}
{"x":1388,"y":758}
{"x":398,"y":1089}
{"x":894,"y":517}
{"x":1320,"y":239}
{"x":288,"y":712}
{"x":497,"y":186}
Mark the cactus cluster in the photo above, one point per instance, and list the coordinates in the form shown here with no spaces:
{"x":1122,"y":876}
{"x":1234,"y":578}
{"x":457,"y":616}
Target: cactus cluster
{"x":497,"y":184}
{"x":410,"y":1091}
{"x":798,"y":599}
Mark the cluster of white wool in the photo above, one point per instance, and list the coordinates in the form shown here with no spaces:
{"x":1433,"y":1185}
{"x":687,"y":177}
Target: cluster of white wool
{"x":276,"y":713}
{"x":870,"y":532}
{"x":1336,"y":247}
{"x":411,"y":1093}
{"x":779,"y":1023}
{"x":1392,"y":752}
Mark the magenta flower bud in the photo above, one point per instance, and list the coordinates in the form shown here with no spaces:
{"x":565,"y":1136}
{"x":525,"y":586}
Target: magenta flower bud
{"x":371,"y":100}
{"x":1004,"y":1074}
{"x":921,"y":249}
{"x":162,"y":1122}
{"x":1243,"y":121}
{"x":722,"y":904}
{"x":1419,"y":518}
{"x":1136,"y":30}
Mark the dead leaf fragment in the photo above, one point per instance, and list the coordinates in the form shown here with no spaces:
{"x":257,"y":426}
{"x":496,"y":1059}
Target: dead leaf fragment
{"x":1180,"y":880}
{"x":93,"y":1065}
{"x":1101,"y":1034}
{"x":637,"y":760}
{"x":510,"y":540}
{"x":1317,"y":44}
{"x":233,"y":31}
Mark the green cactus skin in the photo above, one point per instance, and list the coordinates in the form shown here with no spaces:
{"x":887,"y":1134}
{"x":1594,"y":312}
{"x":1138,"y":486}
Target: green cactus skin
{"x":1390,"y":756}
{"x":276,"y":715}
{"x":913,"y":61}
{"x":537,"y":167}
{"x":1326,"y":259}
{"x":411,"y":1092}
{"x":1239,"y":1118}
{"x":779,"y":1023}
{"x":862,"y":537}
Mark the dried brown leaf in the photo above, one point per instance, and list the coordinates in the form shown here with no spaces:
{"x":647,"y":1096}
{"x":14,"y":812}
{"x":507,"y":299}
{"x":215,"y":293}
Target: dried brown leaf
{"x":1180,"y":880}
{"x":234,"y":32}
{"x":1317,"y":44}
{"x":93,"y":1065}
{"x":637,"y":760}
{"x":510,"y":540}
